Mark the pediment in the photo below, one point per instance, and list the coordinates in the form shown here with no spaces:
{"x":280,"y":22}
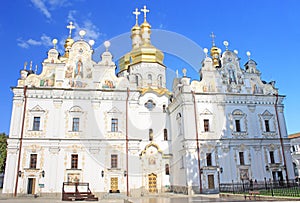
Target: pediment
{"x":37,"y":108}
{"x":151,"y":148}
{"x":75,"y":109}
{"x":114,"y":110}
{"x":267,"y":115}
{"x":206,"y":112}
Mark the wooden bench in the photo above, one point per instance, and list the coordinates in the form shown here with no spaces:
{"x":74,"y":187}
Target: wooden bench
{"x":253,"y":193}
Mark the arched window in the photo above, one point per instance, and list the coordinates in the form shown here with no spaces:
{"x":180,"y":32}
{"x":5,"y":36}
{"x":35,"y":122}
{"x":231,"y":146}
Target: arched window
{"x":160,"y":81}
{"x":137,"y":80}
{"x":164,"y":108}
{"x":179,"y":124}
{"x":167,"y":169}
{"x":149,"y":79}
{"x":165,"y":134}
{"x":150,"y":134}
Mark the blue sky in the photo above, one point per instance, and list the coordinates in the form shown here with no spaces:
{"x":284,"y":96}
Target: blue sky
{"x":270,"y":29}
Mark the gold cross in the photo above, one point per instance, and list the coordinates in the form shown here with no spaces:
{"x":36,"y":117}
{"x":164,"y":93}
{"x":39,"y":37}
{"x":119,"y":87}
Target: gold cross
{"x":70,"y":27}
{"x":213,"y":36}
{"x":136,"y":13}
{"x":145,"y":11}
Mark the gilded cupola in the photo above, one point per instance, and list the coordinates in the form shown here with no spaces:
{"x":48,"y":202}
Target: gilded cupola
{"x":69,"y":41}
{"x":142,"y":49}
{"x":215,"y":52}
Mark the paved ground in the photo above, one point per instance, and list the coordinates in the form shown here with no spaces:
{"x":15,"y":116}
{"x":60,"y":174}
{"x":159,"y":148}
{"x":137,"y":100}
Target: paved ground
{"x":154,"y":199}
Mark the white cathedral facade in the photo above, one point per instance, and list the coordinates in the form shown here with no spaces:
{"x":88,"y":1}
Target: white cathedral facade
{"x":80,"y":122}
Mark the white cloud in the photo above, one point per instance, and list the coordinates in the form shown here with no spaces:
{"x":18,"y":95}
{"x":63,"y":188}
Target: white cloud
{"x":92,"y":31}
{"x":58,"y":3}
{"x":42,"y":7}
{"x":22,"y":43}
{"x":46,"y":5}
{"x":71,"y":15}
{"x":43,"y":41}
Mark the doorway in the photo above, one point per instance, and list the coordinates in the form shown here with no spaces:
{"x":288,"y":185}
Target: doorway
{"x":114,"y":185}
{"x":211,"y":182}
{"x":31,"y":186}
{"x":152,"y":183}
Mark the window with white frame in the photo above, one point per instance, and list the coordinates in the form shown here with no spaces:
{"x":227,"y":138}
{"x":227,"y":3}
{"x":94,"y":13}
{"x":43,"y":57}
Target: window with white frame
{"x":267,"y":121}
{"x":75,"y":114}
{"x":75,"y":124}
{"x":237,"y":125}
{"x":37,"y":115}
{"x":114,"y":160}
{"x":205,"y":118}
{"x":114,"y":125}
{"x":242,"y":158}
{"x":267,"y":126}
{"x":36,"y":123}
{"x":33,"y":161}
{"x":239,"y":121}
{"x":208,"y":159}
{"x":74,"y":161}
{"x":272,"y":157}
{"x":206,"y":125}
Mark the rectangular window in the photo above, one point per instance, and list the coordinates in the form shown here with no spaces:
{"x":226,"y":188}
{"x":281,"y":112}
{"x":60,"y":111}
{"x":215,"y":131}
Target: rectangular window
{"x":167,"y":169}
{"x":206,"y":125}
{"x":150,"y":135}
{"x":241,"y":156}
{"x":267,"y":126}
{"x":74,"y":161}
{"x":75,"y":125}
{"x":182,"y":162}
{"x":36,"y":123}
{"x":237,"y":126}
{"x":272,"y":158}
{"x":114,"y":161}
{"x":33,"y":160}
{"x":208,"y":159}
{"x":114,"y":125}
{"x":165,"y":134}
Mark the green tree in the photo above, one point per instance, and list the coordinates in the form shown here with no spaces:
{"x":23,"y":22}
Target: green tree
{"x":3,"y":145}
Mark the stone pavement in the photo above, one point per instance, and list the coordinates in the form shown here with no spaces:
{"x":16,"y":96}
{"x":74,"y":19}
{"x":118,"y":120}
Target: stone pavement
{"x":166,"y":198}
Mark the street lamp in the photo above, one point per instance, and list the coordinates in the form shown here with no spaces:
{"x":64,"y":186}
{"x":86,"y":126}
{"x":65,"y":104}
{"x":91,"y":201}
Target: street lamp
{"x":43,"y":173}
{"x":267,"y":168}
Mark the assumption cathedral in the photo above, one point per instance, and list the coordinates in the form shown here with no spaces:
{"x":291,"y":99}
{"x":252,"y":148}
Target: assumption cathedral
{"x":80,"y":124}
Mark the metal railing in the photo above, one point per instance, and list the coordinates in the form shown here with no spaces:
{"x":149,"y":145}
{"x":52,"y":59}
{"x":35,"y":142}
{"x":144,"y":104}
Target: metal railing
{"x":289,"y":188}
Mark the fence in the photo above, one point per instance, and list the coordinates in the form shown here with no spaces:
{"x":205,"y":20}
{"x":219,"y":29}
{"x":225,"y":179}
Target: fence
{"x":289,"y":188}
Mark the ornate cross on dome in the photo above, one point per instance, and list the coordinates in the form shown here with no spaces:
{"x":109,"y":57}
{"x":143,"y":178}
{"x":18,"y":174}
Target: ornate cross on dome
{"x":136,"y":13}
{"x":213,"y":36}
{"x":145,"y":11}
{"x":70,"y":27}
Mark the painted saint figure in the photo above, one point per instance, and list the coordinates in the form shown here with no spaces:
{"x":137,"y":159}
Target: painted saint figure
{"x":78,"y":69}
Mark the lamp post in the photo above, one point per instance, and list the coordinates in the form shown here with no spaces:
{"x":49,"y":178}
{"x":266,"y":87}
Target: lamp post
{"x":220,"y":170}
